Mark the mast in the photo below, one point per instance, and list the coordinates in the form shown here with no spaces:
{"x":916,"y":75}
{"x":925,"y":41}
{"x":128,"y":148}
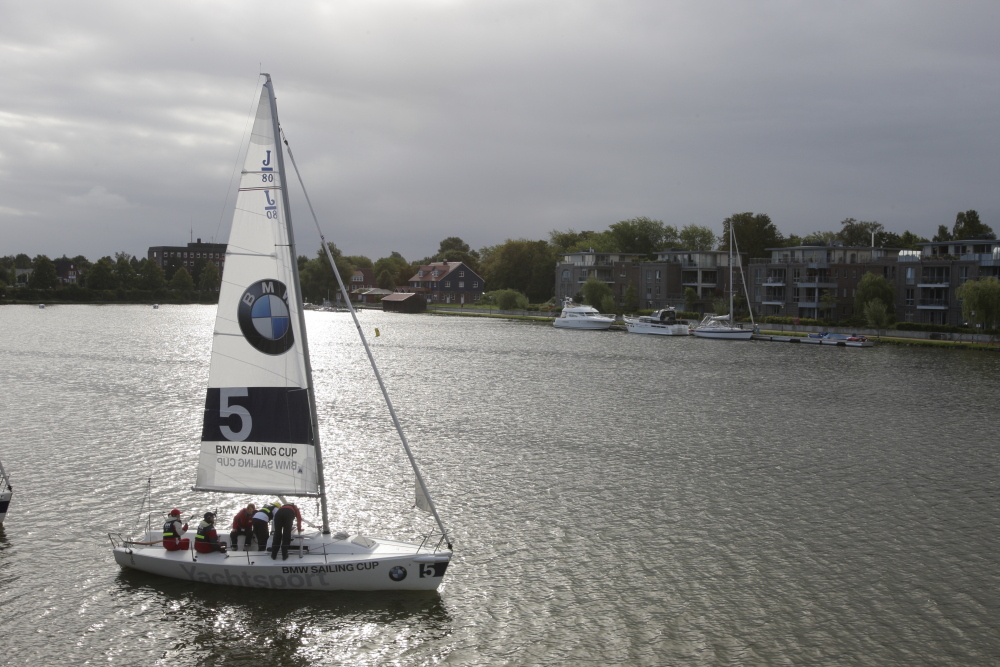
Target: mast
{"x":279,"y":154}
{"x":731,"y":237}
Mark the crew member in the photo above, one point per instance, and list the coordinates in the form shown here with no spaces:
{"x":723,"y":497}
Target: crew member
{"x":172,"y":531}
{"x":206,"y":540}
{"x":243,"y":525}
{"x":283,"y":529}
{"x":260,"y":521}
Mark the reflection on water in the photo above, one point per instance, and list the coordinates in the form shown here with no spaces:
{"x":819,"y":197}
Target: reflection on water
{"x":185,"y":624}
{"x":615,"y":499}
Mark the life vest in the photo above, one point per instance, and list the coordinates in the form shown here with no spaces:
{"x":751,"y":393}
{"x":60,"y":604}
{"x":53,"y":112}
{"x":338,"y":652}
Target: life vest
{"x":168,"y":529}
{"x":267,"y":511}
{"x":206,"y":533}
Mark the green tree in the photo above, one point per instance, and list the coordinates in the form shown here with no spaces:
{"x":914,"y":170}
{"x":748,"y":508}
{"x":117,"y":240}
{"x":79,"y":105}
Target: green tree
{"x":695,"y":237}
{"x":182,"y":281}
{"x":829,"y":302}
{"x":819,"y":238}
{"x":631,"y":298}
{"x":981,"y":302}
{"x":754,"y":234}
{"x":876,"y":315}
{"x":150,"y":275}
{"x":208,"y":281}
{"x":594,"y":291}
{"x":386,"y":280}
{"x":720,"y":305}
{"x":454,"y":249}
{"x":570,"y":241}
{"x":22,"y":261}
{"x":44,"y":275}
{"x":858,"y":233}
{"x":102,"y":275}
{"x":642,"y":235}
{"x":873,"y":286}
{"x":690,"y":299}
{"x":942,"y":234}
{"x":125,"y":275}
{"x":908,"y":240}
{"x":969,"y":226}
{"x":526,"y":266}
{"x":509,"y":299}
{"x":392,"y":271}
{"x":608,"y":304}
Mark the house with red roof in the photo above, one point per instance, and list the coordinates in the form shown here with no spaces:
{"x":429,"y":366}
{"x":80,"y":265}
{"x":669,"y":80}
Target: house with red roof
{"x":447,"y":282}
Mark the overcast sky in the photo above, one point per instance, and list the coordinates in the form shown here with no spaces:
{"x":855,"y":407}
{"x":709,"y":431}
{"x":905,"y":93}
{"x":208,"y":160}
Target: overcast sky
{"x":415,"y":120}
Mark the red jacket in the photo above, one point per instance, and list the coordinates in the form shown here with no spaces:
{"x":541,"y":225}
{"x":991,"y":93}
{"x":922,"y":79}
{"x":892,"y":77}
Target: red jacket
{"x":243,"y":519}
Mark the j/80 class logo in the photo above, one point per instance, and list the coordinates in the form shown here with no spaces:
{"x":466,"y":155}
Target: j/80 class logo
{"x":264,"y":318}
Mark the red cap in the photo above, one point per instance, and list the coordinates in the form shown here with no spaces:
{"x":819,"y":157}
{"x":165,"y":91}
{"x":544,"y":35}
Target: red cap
{"x":175,"y":512}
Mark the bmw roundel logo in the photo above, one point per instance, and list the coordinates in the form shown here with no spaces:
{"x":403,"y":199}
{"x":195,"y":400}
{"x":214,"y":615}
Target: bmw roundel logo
{"x":264,"y":318}
{"x":397,"y":573}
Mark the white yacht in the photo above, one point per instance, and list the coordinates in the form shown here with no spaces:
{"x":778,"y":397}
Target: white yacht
{"x":661,"y":323}
{"x":575,"y":316}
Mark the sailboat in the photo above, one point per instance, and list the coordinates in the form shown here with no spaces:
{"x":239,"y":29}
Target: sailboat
{"x":260,"y":434}
{"x":6,"y":492}
{"x":723,"y":326}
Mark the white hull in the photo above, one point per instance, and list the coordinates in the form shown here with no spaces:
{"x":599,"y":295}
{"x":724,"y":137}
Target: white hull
{"x":325,"y":564}
{"x":657,"y":329}
{"x":724,"y":333}
{"x":4,"y":502}
{"x":587,"y":323}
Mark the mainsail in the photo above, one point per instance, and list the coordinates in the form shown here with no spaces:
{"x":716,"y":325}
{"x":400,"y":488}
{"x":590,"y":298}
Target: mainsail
{"x":259,"y":434}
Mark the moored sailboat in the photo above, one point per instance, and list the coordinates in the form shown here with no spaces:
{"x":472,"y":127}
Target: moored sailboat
{"x":260,"y":433}
{"x":723,"y":326}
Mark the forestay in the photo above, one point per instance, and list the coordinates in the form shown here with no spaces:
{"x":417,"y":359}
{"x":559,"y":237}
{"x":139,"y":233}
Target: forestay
{"x":258,"y":434}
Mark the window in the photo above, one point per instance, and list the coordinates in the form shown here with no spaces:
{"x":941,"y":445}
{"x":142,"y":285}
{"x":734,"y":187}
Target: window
{"x":461,"y":284}
{"x":649,"y":276}
{"x":657,"y":277}
{"x":447,"y":283}
{"x":565,"y":274}
{"x":461,"y":274}
{"x":909,"y":296}
{"x":910,"y":278}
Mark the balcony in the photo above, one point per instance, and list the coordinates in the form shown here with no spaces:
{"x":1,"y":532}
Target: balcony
{"x":932,"y":304}
{"x":934,"y":283}
{"x":769,"y":301}
{"x":776,"y":282}
{"x":815,"y":283}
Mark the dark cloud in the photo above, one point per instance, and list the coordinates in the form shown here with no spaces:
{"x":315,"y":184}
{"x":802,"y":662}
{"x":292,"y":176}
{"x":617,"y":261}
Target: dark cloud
{"x":413,"y":121}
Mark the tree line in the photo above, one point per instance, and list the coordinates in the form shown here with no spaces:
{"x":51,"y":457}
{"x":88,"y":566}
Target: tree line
{"x":123,"y":272}
{"x":522,"y":265}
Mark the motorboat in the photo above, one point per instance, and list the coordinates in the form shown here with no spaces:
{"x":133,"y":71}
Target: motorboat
{"x":661,"y":323}
{"x":574,"y":316}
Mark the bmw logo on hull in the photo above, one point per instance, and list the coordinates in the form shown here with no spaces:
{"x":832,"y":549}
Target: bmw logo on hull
{"x":264,"y":318}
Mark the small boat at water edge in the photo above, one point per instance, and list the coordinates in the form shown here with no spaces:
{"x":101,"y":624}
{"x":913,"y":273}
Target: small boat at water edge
{"x":6,"y":493}
{"x":661,"y":323}
{"x":582,"y":317}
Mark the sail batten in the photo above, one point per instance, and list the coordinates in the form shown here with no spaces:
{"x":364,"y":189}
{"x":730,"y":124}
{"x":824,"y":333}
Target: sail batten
{"x":258,"y":435}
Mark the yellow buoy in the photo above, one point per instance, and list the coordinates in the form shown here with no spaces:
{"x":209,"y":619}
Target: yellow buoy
{"x":376,"y":332}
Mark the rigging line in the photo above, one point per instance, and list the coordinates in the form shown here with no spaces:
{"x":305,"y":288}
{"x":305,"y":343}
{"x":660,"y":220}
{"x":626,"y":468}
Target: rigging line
{"x":743,"y":279}
{"x":368,"y":351}
{"x":236,"y":162}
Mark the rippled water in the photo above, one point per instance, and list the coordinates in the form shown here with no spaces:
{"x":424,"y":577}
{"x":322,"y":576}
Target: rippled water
{"x":617,"y":499}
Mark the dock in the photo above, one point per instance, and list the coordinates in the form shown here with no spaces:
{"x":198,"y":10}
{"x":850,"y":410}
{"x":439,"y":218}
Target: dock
{"x":840,"y":342}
